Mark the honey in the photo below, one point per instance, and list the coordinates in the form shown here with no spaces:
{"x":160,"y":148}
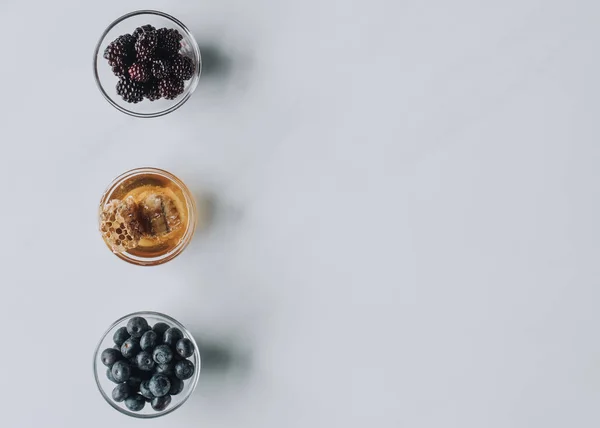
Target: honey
{"x":146,"y":215}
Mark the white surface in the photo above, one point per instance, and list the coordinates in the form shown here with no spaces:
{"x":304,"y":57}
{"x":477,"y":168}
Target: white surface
{"x":406,"y":213}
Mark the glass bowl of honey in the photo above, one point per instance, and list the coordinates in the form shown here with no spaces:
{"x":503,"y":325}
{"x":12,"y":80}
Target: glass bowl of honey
{"x":147,"y":216}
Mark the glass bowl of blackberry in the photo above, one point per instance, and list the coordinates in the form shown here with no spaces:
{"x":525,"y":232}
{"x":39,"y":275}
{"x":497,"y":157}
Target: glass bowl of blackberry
{"x":146,"y":365}
{"x":147,"y":64}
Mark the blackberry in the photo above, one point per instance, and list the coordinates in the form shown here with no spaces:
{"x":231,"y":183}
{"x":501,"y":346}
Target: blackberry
{"x":120,"y":49}
{"x":143,"y":29}
{"x":183,"y":67}
{"x":170,"y":87}
{"x":168,"y":42}
{"x":145,"y":46}
{"x":152,"y":93}
{"x":139,"y":72}
{"x":130,"y":91}
{"x":120,"y":54}
{"x":120,"y":70}
{"x":160,"y":68}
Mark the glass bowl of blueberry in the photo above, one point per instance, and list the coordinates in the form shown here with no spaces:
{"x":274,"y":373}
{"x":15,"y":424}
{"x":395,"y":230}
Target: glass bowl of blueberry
{"x":146,"y":365}
{"x":147,"y":64}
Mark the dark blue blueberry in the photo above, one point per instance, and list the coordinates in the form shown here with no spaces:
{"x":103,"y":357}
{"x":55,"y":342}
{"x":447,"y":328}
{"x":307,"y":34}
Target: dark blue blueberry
{"x":132,"y":362}
{"x":176,"y":386}
{"x":171,"y":336}
{"x":135,"y":403}
{"x":161,"y":403}
{"x":120,"y":336}
{"x":121,"y":392}
{"x":130,"y":348}
{"x":110,"y":356}
{"x":134,"y":382}
{"x":159,"y":385}
{"x":145,"y":390}
{"x":144,"y":361}
{"x":137,"y":326}
{"x":185,"y":347}
{"x":184,"y":369}
{"x":148,"y":340}
{"x":166,"y":369}
{"x":110,"y":376}
{"x":160,"y":328}
{"x":121,"y":371}
{"x":162,"y":354}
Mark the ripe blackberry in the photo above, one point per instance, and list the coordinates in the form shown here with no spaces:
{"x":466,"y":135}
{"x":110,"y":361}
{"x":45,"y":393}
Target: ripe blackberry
{"x":160,"y":68}
{"x":120,"y":49}
{"x":183,"y":67}
{"x":151,"y":90}
{"x":140,"y":72}
{"x":120,"y":70}
{"x":130,"y":91}
{"x":145,"y":46}
{"x":143,"y":29}
{"x":170,"y":87}
{"x":168,"y":42}
{"x":120,"y":54}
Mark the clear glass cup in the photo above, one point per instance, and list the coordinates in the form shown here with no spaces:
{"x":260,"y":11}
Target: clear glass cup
{"x":148,"y":176}
{"x":106,"y":80}
{"x":105,"y":386}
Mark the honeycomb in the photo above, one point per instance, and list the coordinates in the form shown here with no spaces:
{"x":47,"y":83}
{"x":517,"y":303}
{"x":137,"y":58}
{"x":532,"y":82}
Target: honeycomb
{"x":120,"y":224}
{"x":160,"y":215}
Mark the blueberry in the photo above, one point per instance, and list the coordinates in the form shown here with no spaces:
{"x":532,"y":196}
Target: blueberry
{"x":110,"y":376}
{"x":148,"y":340}
{"x":144,"y":361}
{"x":159,"y":385}
{"x":145,"y":390}
{"x":184,"y":369}
{"x":137,"y":326}
{"x":120,"y":336}
{"x":166,"y":369}
{"x":134,"y":382}
{"x":133,"y":362}
{"x":130,"y":348}
{"x":161,"y":403}
{"x":110,"y":356}
{"x":160,"y":328}
{"x":162,"y":354}
{"x":121,"y":371}
{"x":185,"y":347}
{"x":171,"y":336}
{"x":176,"y":386}
{"x":121,"y":392}
{"x":135,"y":403}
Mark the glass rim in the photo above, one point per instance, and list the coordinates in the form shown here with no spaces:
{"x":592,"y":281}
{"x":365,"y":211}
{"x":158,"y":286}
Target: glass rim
{"x":195,"y":378}
{"x":193,"y":84}
{"x":191,"y":208}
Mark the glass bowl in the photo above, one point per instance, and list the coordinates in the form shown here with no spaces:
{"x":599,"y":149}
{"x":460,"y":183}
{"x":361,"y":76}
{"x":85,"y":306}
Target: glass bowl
{"x":106,"y":80}
{"x":137,"y":178}
{"x":105,"y":386}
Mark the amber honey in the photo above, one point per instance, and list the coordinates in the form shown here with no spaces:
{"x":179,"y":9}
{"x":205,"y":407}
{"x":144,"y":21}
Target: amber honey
{"x":170,"y":228}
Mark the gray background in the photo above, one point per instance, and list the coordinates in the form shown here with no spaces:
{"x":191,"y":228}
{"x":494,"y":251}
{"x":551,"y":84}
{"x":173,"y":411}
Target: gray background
{"x":405,"y":228}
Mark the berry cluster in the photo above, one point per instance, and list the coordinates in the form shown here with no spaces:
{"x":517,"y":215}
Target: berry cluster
{"x":148,"y":64}
{"x":148,"y":364}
